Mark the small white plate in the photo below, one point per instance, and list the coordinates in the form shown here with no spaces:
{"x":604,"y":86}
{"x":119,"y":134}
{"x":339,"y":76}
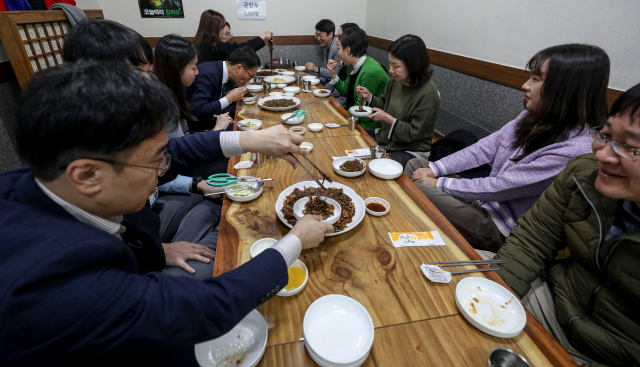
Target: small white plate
{"x":280,"y":70}
{"x":289,"y":94}
{"x":315,"y":127}
{"x":253,"y":324}
{"x":293,"y":120}
{"x":338,"y":329}
{"x":261,"y":245}
{"x":249,"y":102}
{"x":496,"y":312}
{"x":250,"y":97}
{"x":298,"y":209}
{"x":319,"y":93}
{"x":306,"y":145}
{"x":275,"y":94}
{"x":284,"y":79}
{"x":254,"y":88}
{"x":361,"y":114}
{"x":288,"y":73}
{"x":340,"y":161}
{"x":298,"y":130}
{"x":387,"y":169}
{"x":296,"y":264}
{"x":258,"y":123}
{"x":379,"y":201}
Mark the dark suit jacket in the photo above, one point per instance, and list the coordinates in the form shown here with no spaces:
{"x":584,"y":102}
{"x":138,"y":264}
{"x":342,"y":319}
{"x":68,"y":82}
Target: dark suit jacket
{"x":71,"y":294}
{"x":204,"y":94}
{"x":206,"y":53}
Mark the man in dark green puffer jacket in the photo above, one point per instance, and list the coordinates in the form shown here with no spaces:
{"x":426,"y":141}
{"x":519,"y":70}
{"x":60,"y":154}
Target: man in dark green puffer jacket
{"x":592,"y":209}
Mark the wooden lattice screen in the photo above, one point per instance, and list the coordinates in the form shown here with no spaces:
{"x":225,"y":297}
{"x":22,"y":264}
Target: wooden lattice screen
{"x":34,"y":39}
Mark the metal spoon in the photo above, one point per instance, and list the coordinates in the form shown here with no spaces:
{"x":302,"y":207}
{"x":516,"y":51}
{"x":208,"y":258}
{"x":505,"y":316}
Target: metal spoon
{"x":253,"y":187}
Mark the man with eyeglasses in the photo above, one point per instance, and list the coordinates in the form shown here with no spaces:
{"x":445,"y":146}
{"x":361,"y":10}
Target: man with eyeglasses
{"x":74,"y":224}
{"x":213,"y":92}
{"x":325,"y":35}
{"x":588,"y":301}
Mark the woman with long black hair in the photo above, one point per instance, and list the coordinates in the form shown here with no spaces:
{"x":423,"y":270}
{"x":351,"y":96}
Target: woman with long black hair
{"x":565,"y":95}
{"x":175,"y":66}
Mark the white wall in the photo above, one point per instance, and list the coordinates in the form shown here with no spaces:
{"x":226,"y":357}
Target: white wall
{"x":284,"y":17}
{"x":509,"y":32}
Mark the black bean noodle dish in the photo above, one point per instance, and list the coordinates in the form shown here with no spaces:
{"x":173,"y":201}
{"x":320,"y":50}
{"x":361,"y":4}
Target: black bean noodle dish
{"x":352,"y":166}
{"x":318,"y":206}
{"x":348,"y":208}
{"x":266,"y":73}
{"x":279,"y":103}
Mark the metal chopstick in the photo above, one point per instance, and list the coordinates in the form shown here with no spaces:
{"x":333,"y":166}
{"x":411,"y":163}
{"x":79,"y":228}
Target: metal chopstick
{"x":475,"y":270}
{"x":305,"y":168}
{"x":316,"y":167}
{"x":470,"y":262}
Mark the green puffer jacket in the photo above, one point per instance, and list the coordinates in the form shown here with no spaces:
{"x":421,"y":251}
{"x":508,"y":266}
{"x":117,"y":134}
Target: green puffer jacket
{"x":597,"y":289}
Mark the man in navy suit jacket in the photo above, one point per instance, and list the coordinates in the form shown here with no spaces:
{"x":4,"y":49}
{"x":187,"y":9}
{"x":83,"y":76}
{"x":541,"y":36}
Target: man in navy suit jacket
{"x":75,"y":231}
{"x":207,"y":94}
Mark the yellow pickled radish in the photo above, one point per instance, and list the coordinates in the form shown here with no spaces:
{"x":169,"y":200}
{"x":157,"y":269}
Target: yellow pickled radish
{"x":296,"y":278}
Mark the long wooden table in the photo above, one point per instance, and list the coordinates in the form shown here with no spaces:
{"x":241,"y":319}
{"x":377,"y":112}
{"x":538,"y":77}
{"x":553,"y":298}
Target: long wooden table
{"x":416,"y":322}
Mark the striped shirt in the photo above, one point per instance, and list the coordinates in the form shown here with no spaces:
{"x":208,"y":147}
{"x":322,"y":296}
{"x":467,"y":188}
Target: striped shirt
{"x":512,"y":188}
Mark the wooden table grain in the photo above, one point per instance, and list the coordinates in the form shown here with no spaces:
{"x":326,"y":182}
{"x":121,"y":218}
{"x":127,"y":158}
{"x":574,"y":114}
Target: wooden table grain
{"x":417,"y":322}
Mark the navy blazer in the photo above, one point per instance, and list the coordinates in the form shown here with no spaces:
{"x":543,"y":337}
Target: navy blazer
{"x":204,"y":94}
{"x":71,"y":294}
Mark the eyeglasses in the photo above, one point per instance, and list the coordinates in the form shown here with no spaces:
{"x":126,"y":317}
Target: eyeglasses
{"x":161,"y":170}
{"x":620,"y":148}
{"x":251,"y":76}
{"x":228,"y":34}
{"x":320,"y":35}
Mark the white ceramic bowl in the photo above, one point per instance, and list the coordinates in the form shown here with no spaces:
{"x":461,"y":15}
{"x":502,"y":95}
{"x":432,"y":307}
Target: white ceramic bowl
{"x":291,"y":90}
{"x":387,"y":169}
{"x":274,"y":86}
{"x":306,"y":145}
{"x":361,"y":114}
{"x":310,"y":77}
{"x":281,"y":85}
{"x":289,"y":94}
{"x":298,"y":209}
{"x":498,"y":312}
{"x":315,"y":127}
{"x":258,"y":124}
{"x":250,"y":102}
{"x":315,"y":81}
{"x":340,"y":161}
{"x":275,"y":94}
{"x":254,"y":88}
{"x":261,"y":102}
{"x":288,"y":73}
{"x":379,"y":201}
{"x":252,"y":324}
{"x":321,"y":93}
{"x":293,"y":120}
{"x":284,"y":79}
{"x":234,"y":196}
{"x":300,"y":68}
{"x":261,"y":245}
{"x":280,"y":70}
{"x":298,"y":130}
{"x":324,"y":363}
{"x":250,"y":97}
{"x":338,"y":330}
{"x":296,"y":264}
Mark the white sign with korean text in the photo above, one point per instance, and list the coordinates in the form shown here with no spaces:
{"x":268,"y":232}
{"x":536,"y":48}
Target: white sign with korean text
{"x":256,"y":9}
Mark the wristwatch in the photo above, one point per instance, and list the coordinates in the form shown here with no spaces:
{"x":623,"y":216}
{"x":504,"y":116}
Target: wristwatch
{"x":194,"y":185}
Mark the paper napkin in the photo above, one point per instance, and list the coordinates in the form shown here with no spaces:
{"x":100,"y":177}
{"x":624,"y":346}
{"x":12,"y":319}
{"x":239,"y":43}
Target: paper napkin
{"x":406,"y":239}
{"x":243,"y":164}
{"x":435,"y":274}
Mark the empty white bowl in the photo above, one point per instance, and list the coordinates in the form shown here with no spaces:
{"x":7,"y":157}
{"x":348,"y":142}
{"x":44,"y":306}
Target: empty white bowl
{"x":315,"y":81}
{"x":291,"y":89}
{"x":249,"y":102}
{"x":340,"y":161}
{"x":274,"y":86}
{"x":254,"y":88}
{"x":379,"y":201}
{"x":310,"y":77}
{"x":315,"y":127}
{"x":289,"y":73}
{"x":281,"y":85}
{"x":296,"y":264}
{"x":276,"y":94}
{"x":261,"y":245}
{"x":298,"y":209}
{"x":292,"y":121}
{"x":306,"y":145}
{"x":338,"y":330}
{"x":300,"y":68}
{"x":298,"y":130}
{"x":387,"y":169}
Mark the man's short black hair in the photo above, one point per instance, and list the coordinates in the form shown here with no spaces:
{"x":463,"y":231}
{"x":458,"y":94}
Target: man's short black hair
{"x":327,"y":26}
{"x":628,"y":104}
{"x":348,"y":27}
{"x":106,"y":40}
{"x":357,"y":40}
{"x":88,"y":109}
{"x":244,"y":56}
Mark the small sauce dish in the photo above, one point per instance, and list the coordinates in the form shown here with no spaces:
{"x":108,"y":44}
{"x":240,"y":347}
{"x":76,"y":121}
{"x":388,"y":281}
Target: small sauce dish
{"x":375,"y":205}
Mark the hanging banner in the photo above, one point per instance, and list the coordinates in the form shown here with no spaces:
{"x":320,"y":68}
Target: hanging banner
{"x":161,"y":8}
{"x":252,"y":9}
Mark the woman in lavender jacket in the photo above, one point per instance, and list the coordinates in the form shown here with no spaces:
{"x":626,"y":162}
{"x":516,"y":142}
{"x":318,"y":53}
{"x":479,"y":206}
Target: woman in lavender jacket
{"x":565,"y":94}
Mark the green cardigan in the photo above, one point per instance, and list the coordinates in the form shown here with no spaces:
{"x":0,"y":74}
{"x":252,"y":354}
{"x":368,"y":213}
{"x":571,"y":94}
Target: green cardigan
{"x":371,"y":76}
{"x":415,"y":109}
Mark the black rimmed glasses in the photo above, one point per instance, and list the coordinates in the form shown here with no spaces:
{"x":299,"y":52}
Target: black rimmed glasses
{"x":619,"y":147}
{"x":251,"y":76}
{"x":320,"y":35}
{"x":161,"y":170}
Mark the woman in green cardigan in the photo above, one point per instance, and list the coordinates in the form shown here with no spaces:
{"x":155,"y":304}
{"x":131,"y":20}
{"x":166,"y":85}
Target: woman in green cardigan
{"x":409,"y":106}
{"x":363,"y":70}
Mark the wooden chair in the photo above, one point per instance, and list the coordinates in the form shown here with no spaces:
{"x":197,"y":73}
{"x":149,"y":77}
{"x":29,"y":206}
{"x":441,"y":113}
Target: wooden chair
{"x":34,"y":39}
